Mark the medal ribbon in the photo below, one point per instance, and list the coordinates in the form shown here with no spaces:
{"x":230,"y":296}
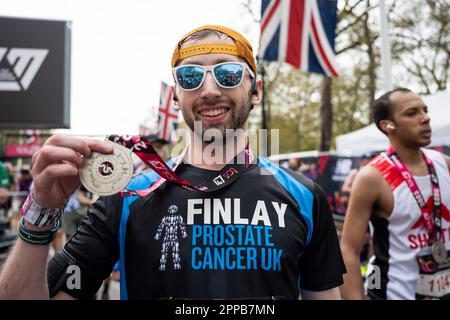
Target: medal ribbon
{"x":143,"y":148}
{"x":433,"y":225}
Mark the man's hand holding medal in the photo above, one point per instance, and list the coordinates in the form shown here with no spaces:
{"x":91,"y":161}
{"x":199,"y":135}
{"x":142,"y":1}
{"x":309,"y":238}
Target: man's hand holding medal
{"x":56,"y":167}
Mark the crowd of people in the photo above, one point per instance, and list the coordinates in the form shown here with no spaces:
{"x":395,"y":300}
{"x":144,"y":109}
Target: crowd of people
{"x":15,"y":183}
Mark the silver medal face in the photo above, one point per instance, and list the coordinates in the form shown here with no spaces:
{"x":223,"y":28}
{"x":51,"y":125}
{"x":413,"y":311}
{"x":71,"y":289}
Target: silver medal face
{"x":439,"y":252}
{"x":107,"y":174}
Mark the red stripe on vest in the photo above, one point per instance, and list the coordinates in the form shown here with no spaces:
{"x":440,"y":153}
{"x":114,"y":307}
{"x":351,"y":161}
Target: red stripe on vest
{"x":388,"y":171}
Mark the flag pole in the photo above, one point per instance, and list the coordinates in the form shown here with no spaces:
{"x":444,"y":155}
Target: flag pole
{"x":262,"y":71}
{"x":385,"y":48}
{"x":263,"y":144}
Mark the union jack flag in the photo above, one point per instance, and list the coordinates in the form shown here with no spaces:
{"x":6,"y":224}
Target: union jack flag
{"x":167,"y":115}
{"x":301,"y":33}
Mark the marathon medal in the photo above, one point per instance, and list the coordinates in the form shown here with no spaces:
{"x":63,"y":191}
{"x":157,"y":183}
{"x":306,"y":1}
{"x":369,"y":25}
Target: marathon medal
{"x":143,"y":149}
{"x":107,"y":174}
{"x":439,"y":252}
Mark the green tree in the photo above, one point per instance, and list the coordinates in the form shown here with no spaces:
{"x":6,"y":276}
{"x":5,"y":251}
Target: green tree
{"x":420,"y":33}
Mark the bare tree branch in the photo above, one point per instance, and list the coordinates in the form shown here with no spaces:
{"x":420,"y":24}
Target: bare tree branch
{"x":248,"y":6}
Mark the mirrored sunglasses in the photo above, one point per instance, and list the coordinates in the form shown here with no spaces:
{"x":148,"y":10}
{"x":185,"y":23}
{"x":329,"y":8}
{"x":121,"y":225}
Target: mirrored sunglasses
{"x":227,"y":75}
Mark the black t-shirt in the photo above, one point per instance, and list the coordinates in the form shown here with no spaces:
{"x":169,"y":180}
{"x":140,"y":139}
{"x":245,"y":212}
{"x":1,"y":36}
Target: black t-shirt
{"x":265,"y":235}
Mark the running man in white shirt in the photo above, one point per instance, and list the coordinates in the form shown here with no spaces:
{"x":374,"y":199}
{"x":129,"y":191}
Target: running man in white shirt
{"x":405,"y":194}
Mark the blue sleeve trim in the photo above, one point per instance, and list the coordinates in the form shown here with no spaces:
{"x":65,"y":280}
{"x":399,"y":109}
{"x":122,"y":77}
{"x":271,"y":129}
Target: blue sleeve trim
{"x":127,"y":201}
{"x":140,"y":182}
{"x":303,"y":196}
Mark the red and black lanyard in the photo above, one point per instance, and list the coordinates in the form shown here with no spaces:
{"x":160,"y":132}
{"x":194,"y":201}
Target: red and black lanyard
{"x":432,"y":219}
{"x":143,"y":148}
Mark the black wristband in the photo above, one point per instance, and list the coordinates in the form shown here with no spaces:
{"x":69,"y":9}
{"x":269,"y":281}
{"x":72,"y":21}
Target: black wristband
{"x":35,"y":237}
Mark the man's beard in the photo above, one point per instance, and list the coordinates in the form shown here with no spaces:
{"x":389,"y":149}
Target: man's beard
{"x":236,"y":120}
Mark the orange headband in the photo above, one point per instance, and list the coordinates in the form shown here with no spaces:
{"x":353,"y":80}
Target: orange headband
{"x":242,"y":48}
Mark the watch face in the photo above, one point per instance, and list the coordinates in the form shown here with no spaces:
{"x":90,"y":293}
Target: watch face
{"x":107,"y":174}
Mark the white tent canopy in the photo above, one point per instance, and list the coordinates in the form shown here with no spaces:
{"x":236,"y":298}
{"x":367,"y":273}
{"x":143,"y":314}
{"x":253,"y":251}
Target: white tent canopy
{"x":370,"y":138}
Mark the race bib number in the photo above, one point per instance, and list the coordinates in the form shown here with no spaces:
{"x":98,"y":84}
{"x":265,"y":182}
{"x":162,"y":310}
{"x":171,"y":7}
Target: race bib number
{"x":434,"y":279}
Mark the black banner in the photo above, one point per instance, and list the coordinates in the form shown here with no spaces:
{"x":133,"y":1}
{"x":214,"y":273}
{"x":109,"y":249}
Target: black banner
{"x":332,"y":171}
{"x":34,"y":74}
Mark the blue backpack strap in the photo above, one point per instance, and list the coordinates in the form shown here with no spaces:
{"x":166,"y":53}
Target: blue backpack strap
{"x":302,"y":195}
{"x":143,"y":181}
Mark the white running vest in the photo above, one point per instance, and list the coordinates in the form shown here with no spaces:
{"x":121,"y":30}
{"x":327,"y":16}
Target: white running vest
{"x":401,"y":237}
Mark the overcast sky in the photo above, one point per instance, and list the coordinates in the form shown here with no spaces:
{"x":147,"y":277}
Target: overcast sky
{"x":121,"y":51}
